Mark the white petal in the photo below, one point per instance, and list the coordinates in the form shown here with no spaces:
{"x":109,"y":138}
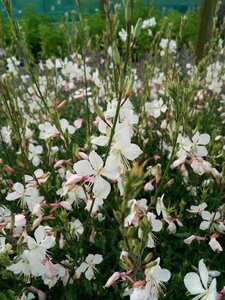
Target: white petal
{"x":12,"y":196}
{"x":193,"y":283}
{"x":204,"y":225}
{"x":212,"y":289}
{"x":39,"y":149}
{"x":89,"y":274}
{"x":95,"y":160}
{"x":132,"y":151}
{"x":48,"y":242}
{"x":204,"y":139}
{"x":83,"y":168}
{"x":97,"y":259}
{"x":156,"y":225}
{"x":201,"y":151}
{"x":19,"y":188}
{"x":83,"y":267}
{"x":36,"y":161}
{"x":203,"y":273}
{"x":196,"y":137}
{"x":100,"y":141}
{"x":39,"y":234}
{"x":164,"y":275}
{"x":206,"y":215}
{"x":101,"y":187}
{"x":31,"y":243}
{"x":89,"y":258}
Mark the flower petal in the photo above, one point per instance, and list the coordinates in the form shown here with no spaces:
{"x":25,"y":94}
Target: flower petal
{"x":193,"y":284}
{"x":83,"y":168}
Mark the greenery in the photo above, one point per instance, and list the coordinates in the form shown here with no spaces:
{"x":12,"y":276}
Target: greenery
{"x":112,"y":174}
{"x":46,"y":39}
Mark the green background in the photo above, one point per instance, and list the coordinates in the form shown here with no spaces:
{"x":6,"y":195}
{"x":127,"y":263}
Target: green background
{"x":56,"y":8}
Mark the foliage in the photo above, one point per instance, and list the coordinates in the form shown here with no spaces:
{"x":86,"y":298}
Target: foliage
{"x":112,"y":156}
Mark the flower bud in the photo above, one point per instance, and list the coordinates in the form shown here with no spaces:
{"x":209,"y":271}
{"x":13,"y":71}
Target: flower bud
{"x":116,"y":55}
{"x":137,"y":29}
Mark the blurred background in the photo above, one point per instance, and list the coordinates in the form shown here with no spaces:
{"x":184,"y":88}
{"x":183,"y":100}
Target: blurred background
{"x":56,"y":8}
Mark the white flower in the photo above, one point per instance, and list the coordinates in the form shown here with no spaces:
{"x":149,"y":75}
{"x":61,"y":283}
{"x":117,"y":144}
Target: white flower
{"x":148,"y":23}
{"x":185,"y":147}
{"x":199,"y":142}
{"x":34,"y":152}
{"x":197,"y":209}
{"x":65,"y":126}
{"x":122,"y":148}
{"x":156,"y":226}
{"x":123,"y":34}
{"x":6,"y":134}
{"x":94,"y":168}
{"x":155,"y":277}
{"x":209,"y":219}
{"x":40,"y":244}
{"x":47,"y":130}
{"x":76,"y":227}
{"x":88,"y":267}
{"x":155,"y":108}
{"x":199,"y":284}
{"x":215,"y":245}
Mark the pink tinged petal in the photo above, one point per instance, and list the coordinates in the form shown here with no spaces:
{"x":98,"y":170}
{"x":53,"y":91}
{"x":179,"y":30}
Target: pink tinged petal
{"x":204,"y":275}
{"x":41,"y":295}
{"x":74,"y":179}
{"x":65,"y":205}
{"x":193,"y":283}
{"x":83,"y":168}
{"x":132,"y":152}
{"x":204,"y":225}
{"x":39,"y":234}
{"x":95,"y":160}
{"x":215,"y":245}
{"x":89,"y":274}
{"x":204,"y":139}
{"x":190,"y":239}
{"x":97,"y":259}
{"x":112,"y":279}
{"x":20,"y":220}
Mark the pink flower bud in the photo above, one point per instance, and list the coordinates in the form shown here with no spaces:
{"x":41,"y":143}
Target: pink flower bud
{"x":112,"y":279}
{"x":74,"y":179}
{"x":82,"y":155}
{"x":92,"y":235}
{"x":61,"y":241}
{"x":148,"y":186}
{"x":65,"y":205}
{"x":78,"y":123}
{"x":140,"y":283}
{"x":20,"y":220}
